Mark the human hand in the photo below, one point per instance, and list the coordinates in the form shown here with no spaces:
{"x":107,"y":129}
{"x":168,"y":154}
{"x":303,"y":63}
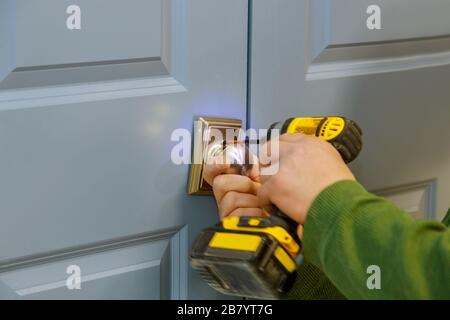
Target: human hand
{"x":235,"y":194}
{"x":306,"y":166}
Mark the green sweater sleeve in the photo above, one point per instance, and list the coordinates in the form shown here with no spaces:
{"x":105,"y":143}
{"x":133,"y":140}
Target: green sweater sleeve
{"x":312,"y":284}
{"x":348,"y":231}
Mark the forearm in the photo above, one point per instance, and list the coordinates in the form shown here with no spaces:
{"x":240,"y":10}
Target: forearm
{"x":348,"y":229}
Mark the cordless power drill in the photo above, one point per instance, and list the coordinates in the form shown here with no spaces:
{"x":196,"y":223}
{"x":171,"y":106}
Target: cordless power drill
{"x":256,"y":256}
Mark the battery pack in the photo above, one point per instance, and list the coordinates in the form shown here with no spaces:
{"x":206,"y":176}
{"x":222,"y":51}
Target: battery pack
{"x":244,"y":262}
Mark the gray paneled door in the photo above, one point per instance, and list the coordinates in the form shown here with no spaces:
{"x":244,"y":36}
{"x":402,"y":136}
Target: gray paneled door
{"x":318,"y":57}
{"x":89,"y":97}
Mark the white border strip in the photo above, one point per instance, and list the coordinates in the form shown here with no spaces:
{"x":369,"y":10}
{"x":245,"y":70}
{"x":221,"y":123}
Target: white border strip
{"x":340,"y":69}
{"x":59,"y":95}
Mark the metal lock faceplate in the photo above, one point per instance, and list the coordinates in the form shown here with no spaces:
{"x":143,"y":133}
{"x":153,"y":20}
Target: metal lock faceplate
{"x":204,"y":129}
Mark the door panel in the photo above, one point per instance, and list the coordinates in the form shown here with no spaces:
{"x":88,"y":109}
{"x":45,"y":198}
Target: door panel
{"x":403,"y":19}
{"x":146,"y":267}
{"x":341,"y":45}
{"x":7,"y":10}
{"x":86,"y":118}
{"x":319,"y":58}
{"x":103,"y":37}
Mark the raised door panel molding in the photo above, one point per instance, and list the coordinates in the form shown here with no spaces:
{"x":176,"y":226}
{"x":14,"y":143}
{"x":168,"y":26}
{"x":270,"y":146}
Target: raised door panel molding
{"x":117,"y":267}
{"x":418,"y":199}
{"x":103,"y":60}
{"x":341,"y":45}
